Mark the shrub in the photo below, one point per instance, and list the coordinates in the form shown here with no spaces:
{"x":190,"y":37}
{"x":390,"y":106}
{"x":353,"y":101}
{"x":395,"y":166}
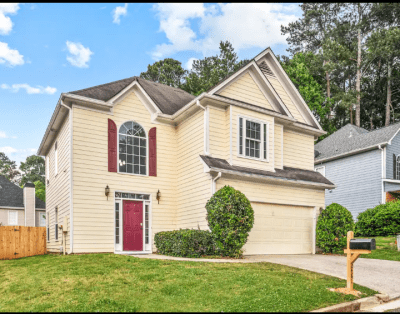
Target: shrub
{"x":383,"y":220}
{"x":185,"y":243}
{"x":230,"y":218}
{"x":332,"y":226}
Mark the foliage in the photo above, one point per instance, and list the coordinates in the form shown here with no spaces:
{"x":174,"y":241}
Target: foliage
{"x":167,"y":71}
{"x":40,"y":190}
{"x":230,"y":219}
{"x":185,"y":243}
{"x":332,"y":226}
{"x":8,"y":168}
{"x":386,"y":249}
{"x":383,"y":220}
{"x":33,"y":169}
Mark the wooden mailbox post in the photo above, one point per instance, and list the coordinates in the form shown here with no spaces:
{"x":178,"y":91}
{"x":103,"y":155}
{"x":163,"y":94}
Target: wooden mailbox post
{"x":352,"y":256}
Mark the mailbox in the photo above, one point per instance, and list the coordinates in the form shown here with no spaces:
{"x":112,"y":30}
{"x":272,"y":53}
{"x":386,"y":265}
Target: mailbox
{"x":362,"y":244}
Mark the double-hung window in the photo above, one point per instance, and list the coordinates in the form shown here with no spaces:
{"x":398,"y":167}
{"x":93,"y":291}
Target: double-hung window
{"x":397,"y":168}
{"x":56,"y":223}
{"x":253,"y":139}
{"x":12,"y":218}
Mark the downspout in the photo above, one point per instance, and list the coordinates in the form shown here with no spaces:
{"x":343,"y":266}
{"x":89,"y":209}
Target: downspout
{"x":206,"y":127}
{"x":214,"y":182}
{"x":383,"y":198}
{"x":71,"y":224}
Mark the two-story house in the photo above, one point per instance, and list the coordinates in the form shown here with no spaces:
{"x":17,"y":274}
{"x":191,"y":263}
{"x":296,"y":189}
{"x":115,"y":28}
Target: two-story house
{"x":131,"y":158}
{"x":364,"y":165}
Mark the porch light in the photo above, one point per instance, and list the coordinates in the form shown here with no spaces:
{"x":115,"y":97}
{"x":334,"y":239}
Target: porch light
{"x":158,"y":196}
{"x":107,"y":191}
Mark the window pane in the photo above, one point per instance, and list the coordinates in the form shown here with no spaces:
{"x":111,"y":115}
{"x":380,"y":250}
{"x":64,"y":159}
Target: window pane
{"x":265,"y":141}
{"x":129,"y":168}
{"x":135,"y":169}
{"x":129,"y":140}
{"x":142,"y":169}
{"x":122,"y":168}
{"x":122,"y":139}
{"x":129,"y":149}
{"x":257,"y":149}
{"x":122,"y":148}
{"x":136,"y":150}
{"x":240,"y":136}
{"x":136,"y":141}
{"x":143,"y":151}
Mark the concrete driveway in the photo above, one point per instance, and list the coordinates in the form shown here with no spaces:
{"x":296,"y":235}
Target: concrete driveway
{"x":379,"y":275}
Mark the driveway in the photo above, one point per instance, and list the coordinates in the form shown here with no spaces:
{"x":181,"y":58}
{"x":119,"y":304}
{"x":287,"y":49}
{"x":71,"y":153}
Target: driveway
{"x":379,"y":275}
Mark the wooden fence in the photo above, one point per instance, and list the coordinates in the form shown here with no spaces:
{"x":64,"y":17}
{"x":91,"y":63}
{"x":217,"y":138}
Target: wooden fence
{"x":20,"y":241}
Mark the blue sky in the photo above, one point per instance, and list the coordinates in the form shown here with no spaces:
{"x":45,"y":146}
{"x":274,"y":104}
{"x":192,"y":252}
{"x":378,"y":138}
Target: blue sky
{"x":47,"y":49}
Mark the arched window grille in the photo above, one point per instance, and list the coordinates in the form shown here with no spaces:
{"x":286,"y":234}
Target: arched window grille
{"x":132,"y":149}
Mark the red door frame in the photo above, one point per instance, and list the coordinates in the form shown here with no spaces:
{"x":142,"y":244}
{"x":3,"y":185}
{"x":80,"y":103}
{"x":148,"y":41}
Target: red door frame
{"x":132,"y":226}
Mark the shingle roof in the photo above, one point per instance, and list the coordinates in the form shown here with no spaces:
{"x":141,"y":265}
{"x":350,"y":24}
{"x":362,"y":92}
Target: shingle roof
{"x":12,"y":195}
{"x":287,"y":173}
{"x":168,"y":99}
{"x":352,"y":138}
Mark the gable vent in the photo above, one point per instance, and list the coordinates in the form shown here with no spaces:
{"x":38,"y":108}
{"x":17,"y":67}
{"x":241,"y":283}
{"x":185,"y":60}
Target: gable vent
{"x":266,"y":70}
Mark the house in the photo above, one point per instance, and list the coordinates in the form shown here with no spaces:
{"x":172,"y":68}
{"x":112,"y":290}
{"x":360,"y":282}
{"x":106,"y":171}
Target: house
{"x":20,"y":207}
{"x":131,"y":158}
{"x":364,"y":165}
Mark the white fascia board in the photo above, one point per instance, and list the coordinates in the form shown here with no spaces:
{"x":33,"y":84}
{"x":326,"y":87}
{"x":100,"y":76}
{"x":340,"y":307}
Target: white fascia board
{"x":86,"y":99}
{"x":49,"y":126}
{"x":274,"y":179}
{"x":353,"y":152}
{"x":390,"y":141}
{"x":262,"y":54}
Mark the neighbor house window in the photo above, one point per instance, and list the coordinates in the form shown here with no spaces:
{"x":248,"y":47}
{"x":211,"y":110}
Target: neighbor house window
{"x":398,"y":167}
{"x":253,"y":139}
{"x":132,"y":148}
{"x":13,"y":218}
{"x":56,"y":223}
{"x":55,"y":159}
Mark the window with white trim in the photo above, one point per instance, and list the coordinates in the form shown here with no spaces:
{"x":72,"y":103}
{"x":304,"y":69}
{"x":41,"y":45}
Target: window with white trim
{"x":253,"y":138}
{"x":12,"y":218}
{"x":397,"y":168}
{"x":321,"y":170}
{"x":48,"y":228}
{"x":132,"y":149}
{"x":55,"y":159}
{"x":56,"y":224}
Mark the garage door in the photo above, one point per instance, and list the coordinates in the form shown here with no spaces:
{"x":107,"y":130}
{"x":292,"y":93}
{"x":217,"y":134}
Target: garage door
{"x":280,"y":229}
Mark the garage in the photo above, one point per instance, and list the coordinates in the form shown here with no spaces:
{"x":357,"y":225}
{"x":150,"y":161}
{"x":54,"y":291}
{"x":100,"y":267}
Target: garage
{"x":280,"y":229}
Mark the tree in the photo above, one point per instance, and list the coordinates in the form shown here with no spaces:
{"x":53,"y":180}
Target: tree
{"x":8,"y":168}
{"x":33,"y":170}
{"x":167,"y":71}
{"x":40,"y":190}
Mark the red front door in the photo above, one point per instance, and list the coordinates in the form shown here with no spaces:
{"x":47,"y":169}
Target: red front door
{"x":133,"y":226}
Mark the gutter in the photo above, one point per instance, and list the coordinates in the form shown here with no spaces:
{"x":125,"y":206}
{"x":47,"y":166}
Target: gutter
{"x":354,"y":152}
{"x":214,"y":182}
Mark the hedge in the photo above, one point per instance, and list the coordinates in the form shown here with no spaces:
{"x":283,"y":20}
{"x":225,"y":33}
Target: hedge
{"x":185,"y":243}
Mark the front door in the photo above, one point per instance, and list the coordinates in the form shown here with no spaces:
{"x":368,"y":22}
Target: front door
{"x":133,"y":225}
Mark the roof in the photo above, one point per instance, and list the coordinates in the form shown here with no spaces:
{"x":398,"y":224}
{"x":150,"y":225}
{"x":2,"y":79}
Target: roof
{"x":287,"y":173}
{"x":168,"y":99}
{"x":12,"y":195}
{"x":351,"y":138}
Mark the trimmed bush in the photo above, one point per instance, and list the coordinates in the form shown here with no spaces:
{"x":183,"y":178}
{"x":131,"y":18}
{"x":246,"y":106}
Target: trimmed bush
{"x":383,"y":220}
{"x":230,"y":218}
{"x":185,"y":243}
{"x":332,"y":226}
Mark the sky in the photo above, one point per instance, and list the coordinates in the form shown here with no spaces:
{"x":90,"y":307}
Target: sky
{"x":49,"y":49}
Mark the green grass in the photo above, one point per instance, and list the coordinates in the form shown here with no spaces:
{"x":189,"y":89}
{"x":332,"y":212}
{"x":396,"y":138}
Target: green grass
{"x":108,"y":282}
{"x":386,"y":248}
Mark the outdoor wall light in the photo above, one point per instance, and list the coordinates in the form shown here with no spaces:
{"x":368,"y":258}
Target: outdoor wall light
{"x":107,"y":191}
{"x":158,"y":196}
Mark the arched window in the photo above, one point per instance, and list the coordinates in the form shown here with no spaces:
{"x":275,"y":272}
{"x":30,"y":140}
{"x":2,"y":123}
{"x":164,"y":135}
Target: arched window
{"x":397,"y":168}
{"x":132,"y":148}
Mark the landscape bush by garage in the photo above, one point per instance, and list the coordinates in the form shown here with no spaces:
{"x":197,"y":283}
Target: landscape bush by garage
{"x":382,"y":220}
{"x":332,"y":226}
{"x":185,"y":243}
{"x":230,"y":218}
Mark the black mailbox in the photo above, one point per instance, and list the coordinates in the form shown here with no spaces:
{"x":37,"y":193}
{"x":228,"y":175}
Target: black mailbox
{"x":362,"y":244}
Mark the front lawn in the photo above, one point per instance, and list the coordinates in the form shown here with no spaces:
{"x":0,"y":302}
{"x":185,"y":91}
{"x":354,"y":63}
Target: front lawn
{"x":108,"y":282}
{"x":386,"y":248}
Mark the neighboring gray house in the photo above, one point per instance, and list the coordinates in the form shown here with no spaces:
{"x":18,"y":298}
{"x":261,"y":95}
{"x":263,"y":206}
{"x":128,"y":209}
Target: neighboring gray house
{"x":364,"y":165}
{"x":20,"y":207}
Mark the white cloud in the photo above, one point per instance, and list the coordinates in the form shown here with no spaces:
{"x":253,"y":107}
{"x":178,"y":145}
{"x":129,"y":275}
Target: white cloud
{"x":18,"y":154}
{"x":10,"y":57}
{"x":189,"y":63}
{"x":118,"y":12}
{"x":4,"y":135}
{"x":29,"y":89}
{"x":80,"y":55}
{"x":245,"y":25}
{"x":5,"y":22}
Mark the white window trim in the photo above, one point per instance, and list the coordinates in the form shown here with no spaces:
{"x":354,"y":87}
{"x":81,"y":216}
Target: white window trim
{"x":262,"y":122}
{"x":41,"y":213}
{"x":147,"y":151}
{"x":320,"y":167}
{"x":55,"y":158}
{"x":9,"y":212}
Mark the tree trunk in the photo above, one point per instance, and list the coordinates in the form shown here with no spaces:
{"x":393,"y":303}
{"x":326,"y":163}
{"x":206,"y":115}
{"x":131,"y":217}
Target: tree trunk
{"x":389,"y":96}
{"x":351,"y":114}
{"x":370,"y":121}
{"x":358,"y":84}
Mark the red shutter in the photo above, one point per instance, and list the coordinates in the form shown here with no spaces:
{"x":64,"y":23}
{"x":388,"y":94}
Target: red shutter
{"x":153,"y":152}
{"x":112,"y":146}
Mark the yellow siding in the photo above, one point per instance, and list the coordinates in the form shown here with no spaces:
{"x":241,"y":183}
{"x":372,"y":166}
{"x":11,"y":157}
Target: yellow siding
{"x":58,"y":190}
{"x":246,"y":90}
{"x":278,"y":145}
{"x":286,"y":99}
{"x":193,"y":185}
{"x":246,"y":162}
{"x":219,"y":133}
{"x":93,"y":213}
{"x":298,"y":150}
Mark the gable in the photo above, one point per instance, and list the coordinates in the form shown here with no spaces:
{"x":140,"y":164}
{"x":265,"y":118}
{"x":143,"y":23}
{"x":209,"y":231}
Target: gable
{"x":246,"y":89}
